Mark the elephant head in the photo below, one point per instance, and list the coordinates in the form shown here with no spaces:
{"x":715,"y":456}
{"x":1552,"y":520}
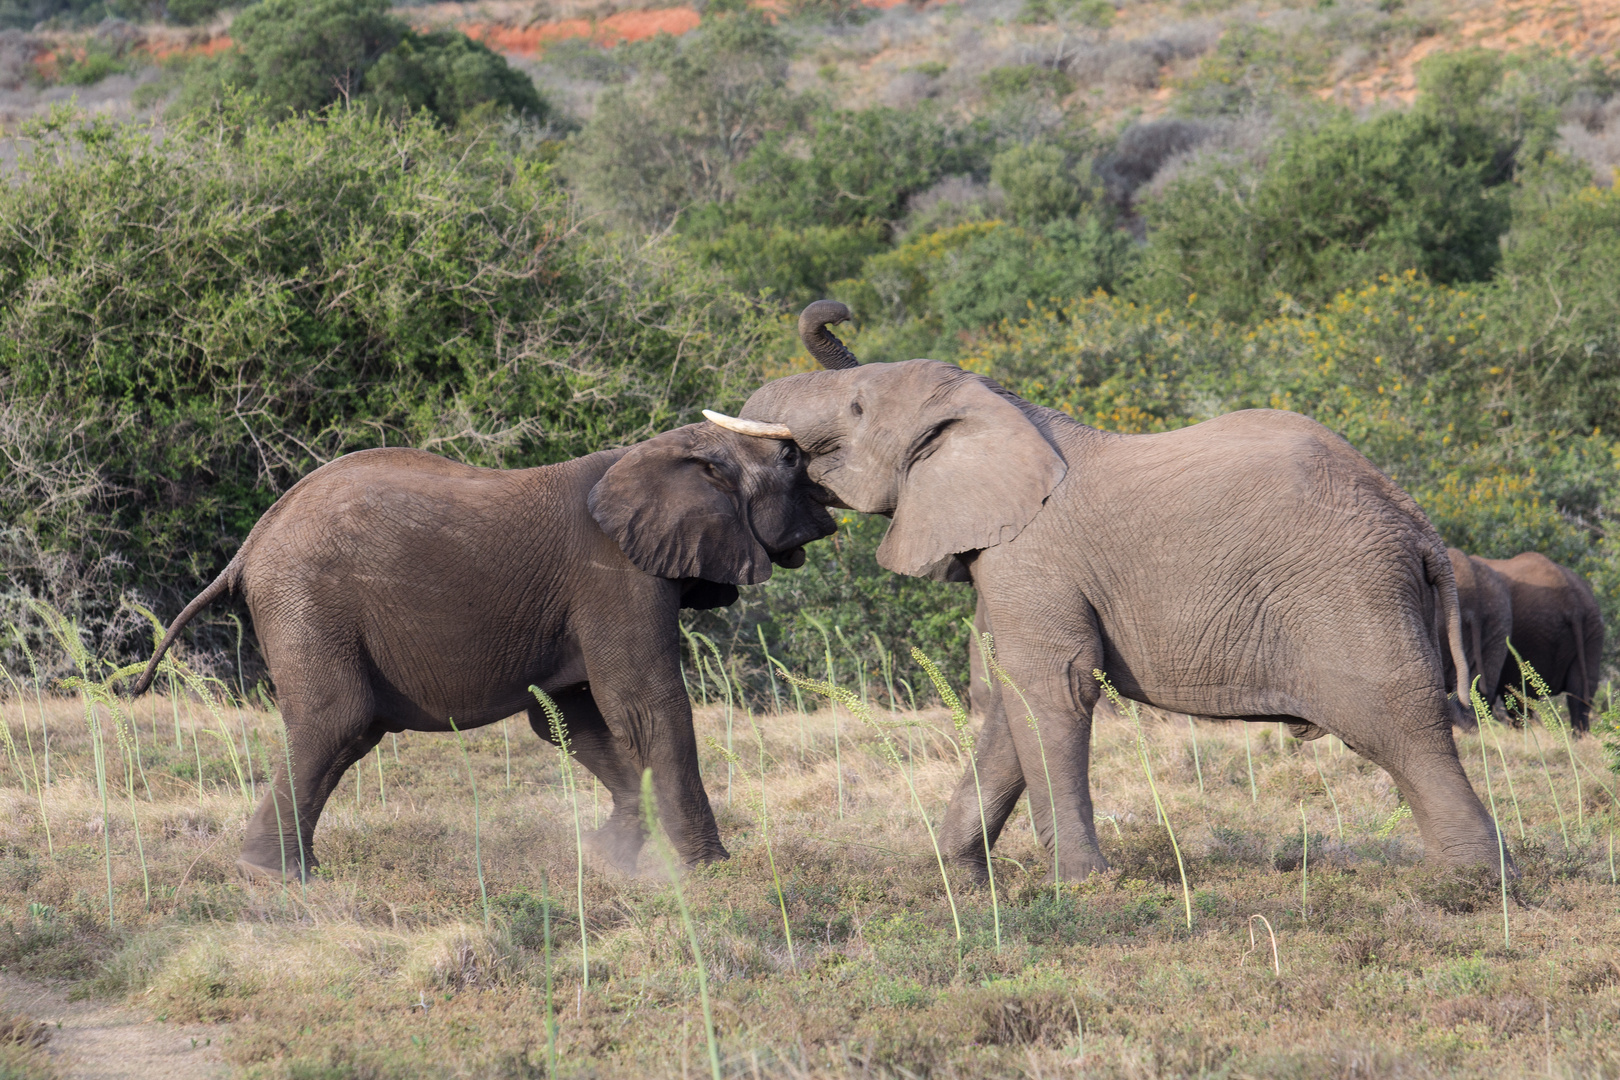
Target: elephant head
{"x":703,"y":502}
{"x":952,"y":458}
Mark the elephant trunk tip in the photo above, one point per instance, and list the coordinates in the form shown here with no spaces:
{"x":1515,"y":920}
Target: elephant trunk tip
{"x":831,"y":353}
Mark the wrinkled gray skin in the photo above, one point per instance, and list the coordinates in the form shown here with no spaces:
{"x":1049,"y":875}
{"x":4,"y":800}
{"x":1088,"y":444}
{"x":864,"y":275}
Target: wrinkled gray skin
{"x":394,"y":590}
{"x":1485,"y":607}
{"x":1254,"y":566}
{"x":1557,"y":629}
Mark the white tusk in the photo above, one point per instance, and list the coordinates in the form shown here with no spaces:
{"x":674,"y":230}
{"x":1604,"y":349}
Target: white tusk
{"x":748,"y":427}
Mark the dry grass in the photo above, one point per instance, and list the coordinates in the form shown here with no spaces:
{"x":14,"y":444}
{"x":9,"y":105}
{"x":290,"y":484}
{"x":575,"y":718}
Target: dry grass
{"x":384,"y":968}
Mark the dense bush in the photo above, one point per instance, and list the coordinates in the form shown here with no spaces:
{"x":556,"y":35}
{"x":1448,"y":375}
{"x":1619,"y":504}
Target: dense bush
{"x":299,"y":56}
{"x":188,"y":326}
{"x":1337,"y":204}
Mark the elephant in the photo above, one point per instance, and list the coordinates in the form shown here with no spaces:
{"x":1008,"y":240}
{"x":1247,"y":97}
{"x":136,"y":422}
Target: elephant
{"x":1486,"y":609}
{"x":1254,"y":566}
{"x":394,"y":590}
{"x":1557,"y":629}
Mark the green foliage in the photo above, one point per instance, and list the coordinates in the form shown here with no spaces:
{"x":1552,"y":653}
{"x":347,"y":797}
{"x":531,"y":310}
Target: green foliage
{"x":1556,"y":308}
{"x":191,"y":325}
{"x":1027,"y":80}
{"x":1336,"y":205}
{"x":853,"y":167}
{"x":1040,"y":183}
{"x":793,"y":265}
{"x":672,"y":136}
{"x":842,"y":586}
{"x":1252,"y":67}
{"x":298,"y":57}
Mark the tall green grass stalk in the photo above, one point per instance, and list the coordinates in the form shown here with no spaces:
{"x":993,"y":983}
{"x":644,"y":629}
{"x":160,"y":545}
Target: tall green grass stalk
{"x":1304,"y":862}
{"x":724,"y":681}
{"x":298,"y":826}
{"x":987,"y":650}
{"x":832,"y":680}
{"x":382,"y":790}
{"x":478,"y":851}
{"x":1254,"y":791}
{"x":649,"y":814}
{"x":100,"y":753}
{"x":1552,"y":721}
{"x":861,"y":712}
{"x":1482,"y":715}
{"x":39,"y":700}
{"x":886,"y":659}
{"x":559,"y":735}
{"x":1198,"y":765}
{"x":101,"y":694}
{"x":1502,"y":756}
{"x":551,"y":1013}
{"x":764,"y":828}
{"x":776,"y":694}
{"x":199,"y":686}
{"x":1546,"y":773}
{"x":959,"y":719}
{"x":697,"y":663}
{"x":33,"y":762}
{"x":1613,"y":880}
{"x":12,"y":753}
{"x":1131,"y":710}
{"x":1337,"y":820}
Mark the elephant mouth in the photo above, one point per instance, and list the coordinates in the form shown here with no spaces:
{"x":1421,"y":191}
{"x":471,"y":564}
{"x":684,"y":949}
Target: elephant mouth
{"x":791,"y":559}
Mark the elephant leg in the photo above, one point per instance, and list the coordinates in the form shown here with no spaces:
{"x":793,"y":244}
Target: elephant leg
{"x":1048,"y":717}
{"x":1413,"y":743}
{"x":329,"y":727}
{"x":989,"y":789}
{"x":636,"y":682}
{"x":986,"y":795}
{"x":593,"y":744}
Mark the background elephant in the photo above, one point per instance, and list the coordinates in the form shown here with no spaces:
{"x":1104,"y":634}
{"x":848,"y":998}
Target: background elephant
{"x":1254,"y":566}
{"x":1485,"y":606}
{"x":395,"y":590}
{"x":1557,"y":629}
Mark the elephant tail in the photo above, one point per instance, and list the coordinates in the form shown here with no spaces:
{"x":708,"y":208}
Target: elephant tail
{"x":227,"y":580}
{"x":1437,"y":568}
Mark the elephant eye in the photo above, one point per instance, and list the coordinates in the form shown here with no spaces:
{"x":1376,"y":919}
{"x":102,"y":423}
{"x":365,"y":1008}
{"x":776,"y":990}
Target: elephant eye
{"x":790,"y":455}
{"x":855,"y":408}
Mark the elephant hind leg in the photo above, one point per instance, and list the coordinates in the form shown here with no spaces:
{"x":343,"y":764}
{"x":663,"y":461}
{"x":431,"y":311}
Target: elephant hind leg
{"x":1410,"y":738}
{"x":610,"y":761}
{"x":329,"y":727}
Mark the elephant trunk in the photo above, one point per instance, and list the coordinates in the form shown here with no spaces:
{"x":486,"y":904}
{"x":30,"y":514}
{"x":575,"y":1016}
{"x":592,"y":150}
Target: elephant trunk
{"x":826,"y":348}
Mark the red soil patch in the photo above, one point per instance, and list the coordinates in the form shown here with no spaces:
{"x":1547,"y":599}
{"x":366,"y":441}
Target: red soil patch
{"x":624,"y":26}
{"x":163,"y":48}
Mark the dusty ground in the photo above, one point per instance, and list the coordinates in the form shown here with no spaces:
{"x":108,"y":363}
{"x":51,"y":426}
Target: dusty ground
{"x":384,"y":965}
{"x":100,"y":1040}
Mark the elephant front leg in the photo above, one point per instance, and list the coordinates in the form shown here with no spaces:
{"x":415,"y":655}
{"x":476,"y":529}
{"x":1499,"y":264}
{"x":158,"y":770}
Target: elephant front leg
{"x":985,"y":796}
{"x":1048,"y":699}
{"x":643,"y":703}
{"x":610,"y":761}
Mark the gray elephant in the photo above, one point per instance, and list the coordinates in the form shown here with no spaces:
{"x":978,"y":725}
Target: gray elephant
{"x":1485,"y":607}
{"x":1254,"y":566}
{"x":394,"y":590}
{"x":1557,"y":629}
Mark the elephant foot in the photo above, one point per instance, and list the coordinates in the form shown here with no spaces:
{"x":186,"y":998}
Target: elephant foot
{"x":711,"y":853}
{"x":618,"y":845}
{"x":1076,"y":866}
{"x":271,"y":873}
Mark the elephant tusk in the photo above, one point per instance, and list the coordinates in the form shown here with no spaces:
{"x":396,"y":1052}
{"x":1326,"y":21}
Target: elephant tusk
{"x":748,"y":427}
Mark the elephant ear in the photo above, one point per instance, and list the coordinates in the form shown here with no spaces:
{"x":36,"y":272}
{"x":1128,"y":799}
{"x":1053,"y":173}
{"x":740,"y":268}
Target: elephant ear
{"x":670,"y":508}
{"x":976,"y":476}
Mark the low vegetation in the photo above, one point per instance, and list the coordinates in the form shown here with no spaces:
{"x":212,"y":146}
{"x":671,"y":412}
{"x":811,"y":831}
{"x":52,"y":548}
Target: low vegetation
{"x":384,"y":964}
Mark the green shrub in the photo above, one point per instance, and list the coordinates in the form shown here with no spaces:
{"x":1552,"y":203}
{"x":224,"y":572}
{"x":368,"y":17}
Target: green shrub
{"x":191,"y":325}
{"x":1335,"y":205}
{"x":672,"y":135}
{"x":298,"y":57}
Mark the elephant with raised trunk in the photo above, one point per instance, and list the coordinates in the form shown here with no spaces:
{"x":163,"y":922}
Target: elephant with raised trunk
{"x":393,"y":590}
{"x":1254,"y":566}
{"x":1485,"y":608}
{"x":1557,"y":629}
